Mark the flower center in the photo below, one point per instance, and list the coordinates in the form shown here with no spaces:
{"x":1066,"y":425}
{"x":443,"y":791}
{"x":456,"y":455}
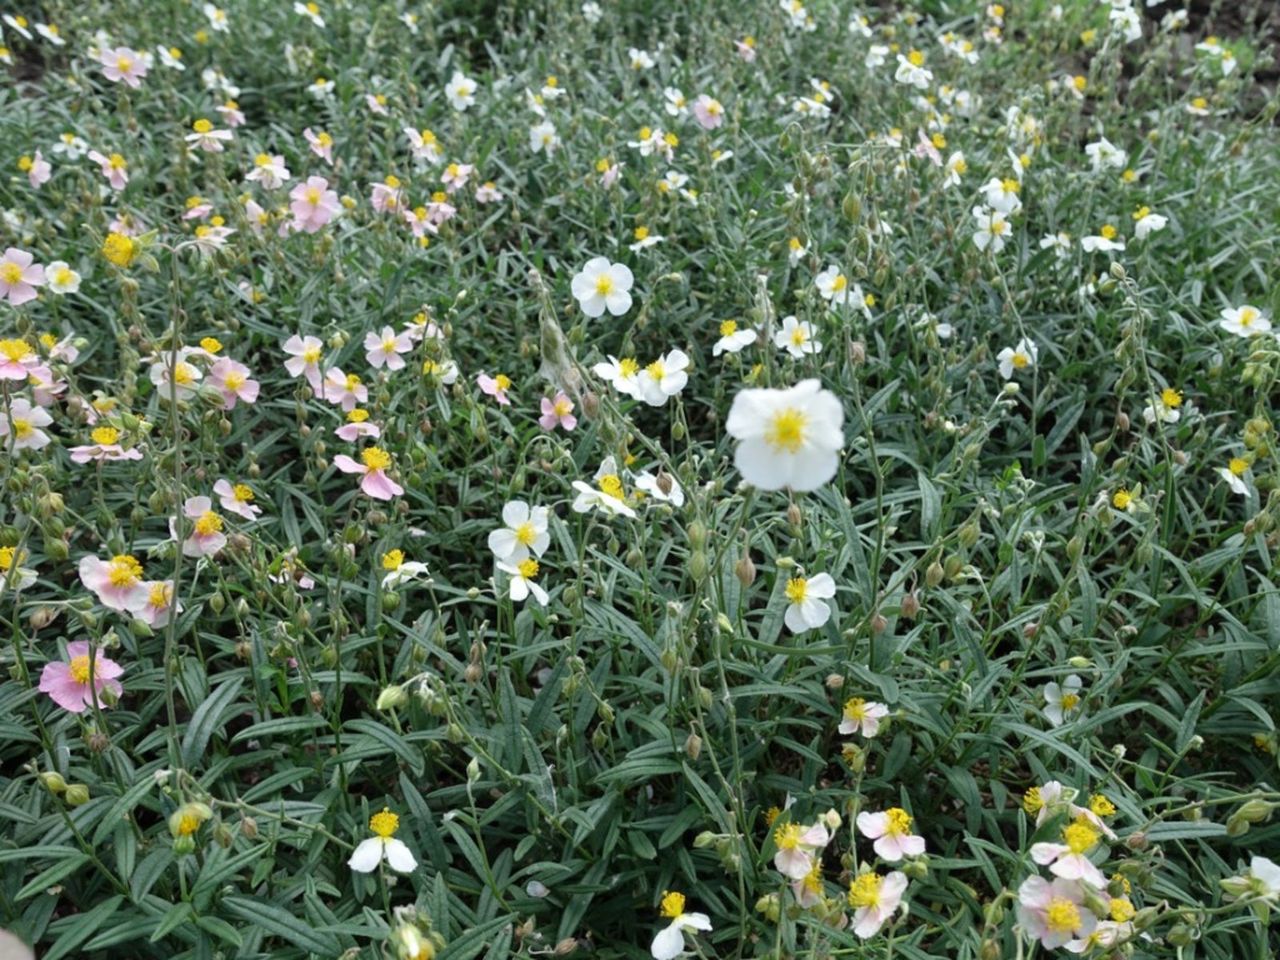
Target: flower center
{"x":1121,"y":501}
{"x":1238,"y":466}
{"x":503,"y":382}
{"x":799,"y":337}
{"x":80,"y":669}
{"x":526,"y":533}
{"x":6,"y":558}
{"x":1031,"y":801}
{"x":375,"y":458}
{"x":384,"y":824}
{"x":160,"y":595}
{"x":728,"y":328}
{"x":208,"y":524}
{"x":1062,"y":916}
{"x":124,"y":64}
{"x":865,"y":891}
{"x":105,"y":436}
{"x":1080,"y":837}
{"x":123,"y":570}
{"x":117,"y":162}
{"x":562,"y":408}
{"x":604,"y":285}
{"x":312,"y":196}
{"x":393,"y":560}
{"x":353,"y":381}
{"x":528,"y":568}
{"x":786,"y":430}
{"x":839,"y":283}
{"x":855,"y":709}
{"x":1069,"y":700}
{"x":1171,"y":398}
{"x":672,"y":905}
{"x":1108,"y":232}
{"x":627,"y":367}
{"x":788,"y":836}
{"x":22,"y":428}
{"x":311,"y":355}
{"x":1247,"y":316}
{"x":242,"y":493}
{"x":1020,"y":360}
{"x":899,"y":824}
{"x":612,"y":485}
{"x":11,"y":273}
{"x":797,"y":589}
{"x":202,"y":126}
{"x":656,"y":370}
{"x":389,"y":345}
{"x":234,"y":381}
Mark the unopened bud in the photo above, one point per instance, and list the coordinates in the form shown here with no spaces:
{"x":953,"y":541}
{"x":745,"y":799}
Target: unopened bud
{"x":391,"y":698}
{"x":693,"y":746}
{"x":794,"y":516}
{"x":473,"y":770}
{"x":53,"y":782}
{"x":566,"y":946}
{"x":77,"y":795}
{"x":745,"y":571}
{"x":249,"y":827}
{"x":910,"y":605}
{"x":934,"y":574}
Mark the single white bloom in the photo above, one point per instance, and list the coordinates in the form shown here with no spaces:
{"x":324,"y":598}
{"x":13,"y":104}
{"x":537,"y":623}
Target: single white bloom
{"x":601,"y":286}
{"x":807,"y":608}
{"x":524,"y":529}
{"x":1021,"y":357}
{"x":797,"y":338}
{"x":787,"y":438}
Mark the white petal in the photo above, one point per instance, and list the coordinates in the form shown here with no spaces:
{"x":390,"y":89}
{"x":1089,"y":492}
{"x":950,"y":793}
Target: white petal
{"x":366,"y":856}
{"x":399,"y":857}
{"x":668,"y":944}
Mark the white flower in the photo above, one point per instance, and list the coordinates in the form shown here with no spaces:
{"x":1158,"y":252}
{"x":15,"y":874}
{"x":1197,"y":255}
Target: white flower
{"x":1021,"y":357}
{"x":663,"y":378}
{"x":787,"y":438}
{"x":383,"y":846}
{"x":662,"y":487}
{"x":1002,"y":195}
{"x":862,"y":716}
{"x":543,"y":138}
{"x":1244,"y":321}
{"x":1145,"y":222}
{"x":797,"y":338}
{"x":641,"y":59}
{"x":399,"y":570}
{"x":606,"y":496}
{"x":591,"y":12}
{"x":524,"y":529}
{"x":1267,"y":874}
{"x":876,"y":56}
{"x":1234,"y":473}
{"x":732,"y":339}
{"x":603,"y":285}
{"x":806,"y":606}
{"x":992,"y":229}
{"x":1126,"y":20}
{"x":1059,"y":242}
{"x":833,"y":285}
{"x":1061,"y":699}
{"x":523,"y":585}
{"x":61,"y":278}
{"x":676,"y":104}
{"x":1106,"y":240}
{"x":460,"y":91}
{"x":669,"y":943}
{"x":1103,"y":154}
{"x":954,"y":170}
{"x":911,"y":71}
{"x":1164,"y":408}
{"x":623,"y":375}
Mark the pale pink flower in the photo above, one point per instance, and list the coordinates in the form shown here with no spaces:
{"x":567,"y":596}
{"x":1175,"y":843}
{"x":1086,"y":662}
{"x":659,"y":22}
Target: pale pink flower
{"x":344,"y":389}
{"x":386,"y":347}
{"x":314,"y":204}
{"x":496,"y":387}
{"x":746,"y":50}
{"x":557,"y":413}
{"x":1054,"y":913}
{"x":377,"y":103}
{"x":27,"y":421}
{"x":68,"y":682}
{"x":891,"y":831}
{"x":304,"y":359}
{"x":206,"y":537}
{"x":358,"y":427}
{"x":115,"y":168}
{"x":104,"y":452}
{"x":237,"y":499}
{"x":232,"y":115}
{"x":19,"y":277}
{"x":117,"y":582}
{"x":269,"y":170}
{"x":373,"y":463}
{"x":258,"y":217}
{"x":439,"y":210}
{"x":39,"y":172}
{"x":45,"y":386}
{"x":232,"y":379}
{"x":123,"y":65}
{"x":862,"y":716}
{"x":709,"y":112}
{"x":488,"y":193}
{"x":455,"y":176}
{"x":798,"y":846}
{"x":1055,"y":797}
{"x":387,"y":197}
{"x":204,"y":136}
{"x":609,"y":176}
{"x":419,"y":220}
{"x":159,"y":606}
{"x":321,"y":144}
{"x":186,"y":377}
{"x":876,"y":901}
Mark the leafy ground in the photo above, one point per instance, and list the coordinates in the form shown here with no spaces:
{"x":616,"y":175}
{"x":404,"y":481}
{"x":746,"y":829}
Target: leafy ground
{"x":1028,"y":253}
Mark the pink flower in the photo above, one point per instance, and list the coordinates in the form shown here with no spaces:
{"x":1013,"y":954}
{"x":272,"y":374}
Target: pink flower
{"x":357,"y":427}
{"x":495,"y":387}
{"x":237,"y":499}
{"x":456,"y":175}
{"x":206,"y":537}
{"x":862,"y":716}
{"x":67,"y":683}
{"x":709,"y":112}
{"x":17,"y":359}
{"x":159,"y":606}
{"x":798,"y":848}
{"x":232,"y":379}
{"x":45,"y":387}
{"x":610,"y":175}
{"x":123,"y":65}
{"x":314,"y":204}
{"x":344,"y":389}
{"x":39,"y":172}
{"x":746,"y":50}
{"x":386,"y":347}
{"x":304,"y":359}
{"x":891,"y":831}
{"x":19,"y":277}
{"x":116,"y":169}
{"x":419,"y":220}
{"x":557,"y":413}
{"x":488,"y":193}
{"x":874,"y":899}
{"x":375,"y":482}
{"x":117,"y":582}
{"x":387,"y":197}
{"x":104,"y":448}
{"x":232,"y":115}
{"x":1054,"y":913}
{"x":376,"y":104}
{"x":321,"y":144}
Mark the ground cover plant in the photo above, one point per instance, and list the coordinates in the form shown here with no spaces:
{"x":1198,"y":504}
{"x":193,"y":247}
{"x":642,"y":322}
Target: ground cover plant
{"x":558,"y":478}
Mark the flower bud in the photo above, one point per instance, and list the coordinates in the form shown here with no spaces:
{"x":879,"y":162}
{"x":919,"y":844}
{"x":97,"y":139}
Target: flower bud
{"x":473,"y":770}
{"x":934,"y":574}
{"x":697,"y":533}
{"x":249,"y":827}
{"x":698,"y":566}
{"x":566,"y":946}
{"x":910,"y":605}
{"x":53,"y":782}
{"x":794,"y":516}
{"x":703,"y":840}
{"x":391,"y":698}
{"x":745,"y":571}
{"x":693,"y":746}
{"x":1117,"y":270}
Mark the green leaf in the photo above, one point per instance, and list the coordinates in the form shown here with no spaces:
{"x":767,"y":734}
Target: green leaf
{"x":279,"y":922}
{"x":81,"y":927}
{"x":207,"y":719}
